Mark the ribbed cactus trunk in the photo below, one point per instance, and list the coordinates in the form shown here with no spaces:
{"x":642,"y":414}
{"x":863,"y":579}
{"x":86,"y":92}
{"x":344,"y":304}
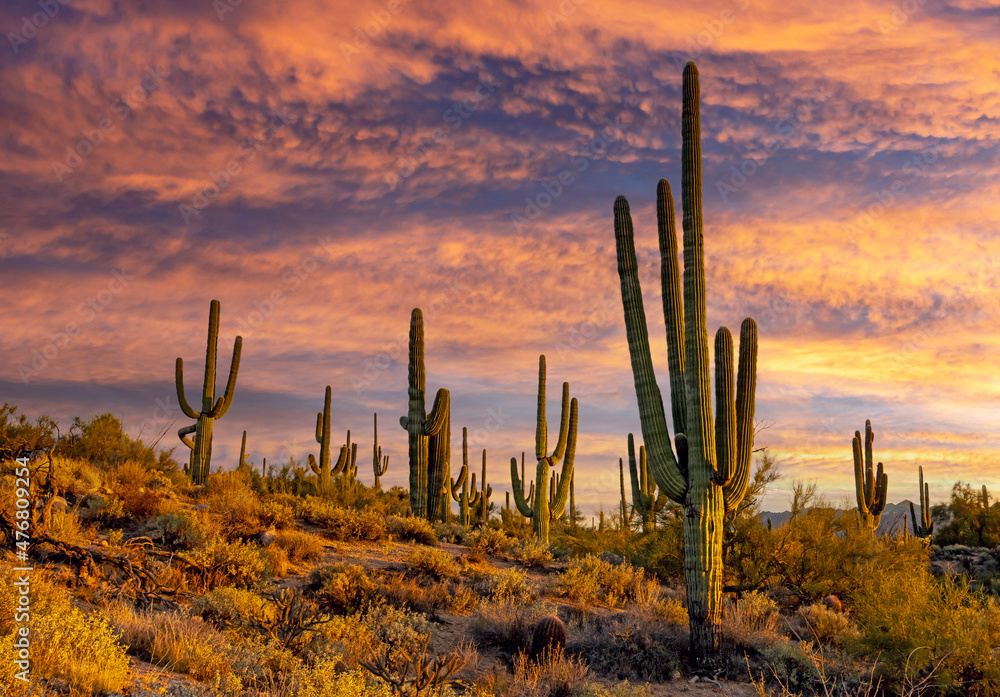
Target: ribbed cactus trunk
{"x":709,"y":473}
{"x":429,"y":448}
{"x":871,"y":485}
{"x":211,"y":409}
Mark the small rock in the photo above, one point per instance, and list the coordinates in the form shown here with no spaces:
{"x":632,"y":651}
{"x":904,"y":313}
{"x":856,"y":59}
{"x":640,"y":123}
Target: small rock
{"x":611,"y":558}
{"x":268,"y":537}
{"x":201,"y":507}
{"x":833,"y":603}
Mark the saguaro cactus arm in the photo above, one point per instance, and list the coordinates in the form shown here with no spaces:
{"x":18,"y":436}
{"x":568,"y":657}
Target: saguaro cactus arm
{"x":926,"y":526}
{"x":746,"y":387}
{"x":517,"y":486}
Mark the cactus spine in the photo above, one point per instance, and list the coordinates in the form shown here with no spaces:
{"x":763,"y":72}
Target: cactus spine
{"x":926,"y":527}
{"x":466,"y":496}
{"x":549,"y":507}
{"x":870,"y":485}
{"x":379,"y":463}
{"x":211,"y":409}
{"x":646,"y":501}
{"x":429,"y":435}
{"x":709,"y":473}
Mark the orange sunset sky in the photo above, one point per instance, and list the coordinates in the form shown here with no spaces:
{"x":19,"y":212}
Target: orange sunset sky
{"x":330,"y":165}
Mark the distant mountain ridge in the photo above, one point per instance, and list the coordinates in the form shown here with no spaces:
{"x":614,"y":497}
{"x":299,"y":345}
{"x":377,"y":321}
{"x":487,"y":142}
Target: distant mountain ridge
{"x":894,"y":517}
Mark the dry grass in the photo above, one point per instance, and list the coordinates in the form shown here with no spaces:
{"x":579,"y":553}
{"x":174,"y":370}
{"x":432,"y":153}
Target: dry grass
{"x":434,"y":563}
{"x":299,"y":546}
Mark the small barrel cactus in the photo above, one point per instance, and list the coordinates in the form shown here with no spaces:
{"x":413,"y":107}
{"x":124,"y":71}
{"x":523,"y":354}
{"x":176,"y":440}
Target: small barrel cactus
{"x":548,"y":634}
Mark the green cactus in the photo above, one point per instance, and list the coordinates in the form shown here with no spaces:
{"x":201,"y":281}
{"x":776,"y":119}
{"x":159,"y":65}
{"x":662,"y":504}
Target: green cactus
{"x":626,"y":514}
{"x":429,"y":435}
{"x":461,"y":490}
{"x":870,"y":485}
{"x":380,"y":463}
{"x":346,"y":461}
{"x":243,"y":462}
{"x":646,"y":501}
{"x":549,"y":507}
{"x":709,"y":473}
{"x":183,"y":434}
{"x":572,"y":501}
{"x":926,"y":527}
{"x":211,"y":409}
{"x":485,"y":492}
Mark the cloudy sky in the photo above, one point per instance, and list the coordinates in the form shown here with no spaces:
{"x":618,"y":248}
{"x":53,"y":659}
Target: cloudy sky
{"x":322,"y":168}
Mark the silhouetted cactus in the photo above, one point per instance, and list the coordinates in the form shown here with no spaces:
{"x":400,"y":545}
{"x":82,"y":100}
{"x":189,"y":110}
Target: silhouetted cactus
{"x":548,"y":507}
{"x":709,"y":473}
{"x":429,"y":435}
{"x":379,"y":463}
{"x":870,"y":486}
{"x":926,"y":527}
{"x":243,"y":452}
{"x":346,"y":461}
{"x":548,"y":636}
{"x":183,"y":434}
{"x":461,"y":489}
{"x":626,"y":514}
{"x":485,"y":491}
{"x":211,"y":409}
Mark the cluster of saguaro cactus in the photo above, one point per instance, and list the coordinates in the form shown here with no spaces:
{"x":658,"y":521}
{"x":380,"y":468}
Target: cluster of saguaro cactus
{"x":548,"y":506}
{"x":347,"y":461}
{"x":429,"y":435}
{"x":708,"y":475}
{"x":646,"y":500}
{"x":211,"y":409}
{"x":380,"y":463}
{"x":926,"y":526}
{"x":870,"y":485}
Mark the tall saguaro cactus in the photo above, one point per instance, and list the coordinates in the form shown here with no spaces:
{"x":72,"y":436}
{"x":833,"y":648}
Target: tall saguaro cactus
{"x":926,"y":526}
{"x":708,"y":474}
{"x":211,"y":408}
{"x":646,"y":501}
{"x":429,"y":435}
{"x":870,"y":485}
{"x":346,"y":461}
{"x":243,"y":452}
{"x":380,"y":463}
{"x":548,"y":506}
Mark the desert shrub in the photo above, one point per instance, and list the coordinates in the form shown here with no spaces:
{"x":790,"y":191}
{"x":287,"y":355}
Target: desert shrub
{"x":671,"y":611}
{"x":488,"y":541}
{"x":631,"y":645}
{"x":226,"y":606}
{"x":552,"y":675}
{"x":277,"y":560}
{"x":223,"y":563}
{"x":73,"y":477}
{"x":276,"y":514}
{"x":80,"y":649}
{"x":20,"y":437}
{"x":103,"y":442}
{"x":181,"y":529}
{"x":789,"y":666}
{"x":413,"y":529}
{"x":140,"y":492}
{"x":234,"y":502}
{"x":63,"y":525}
{"x":299,"y":546}
{"x":326,"y":678}
{"x":451,"y":532}
{"x":343,"y":524}
{"x":506,"y":625}
{"x":434,"y":563}
{"x":507,"y":585}
{"x":907,"y":615}
{"x":819,"y":623}
{"x":621,"y":689}
{"x":342,"y":588}
{"x":417,"y":594}
{"x":106,"y":511}
{"x":530,"y":552}
{"x":590,"y":580}
{"x":751,"y":619}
